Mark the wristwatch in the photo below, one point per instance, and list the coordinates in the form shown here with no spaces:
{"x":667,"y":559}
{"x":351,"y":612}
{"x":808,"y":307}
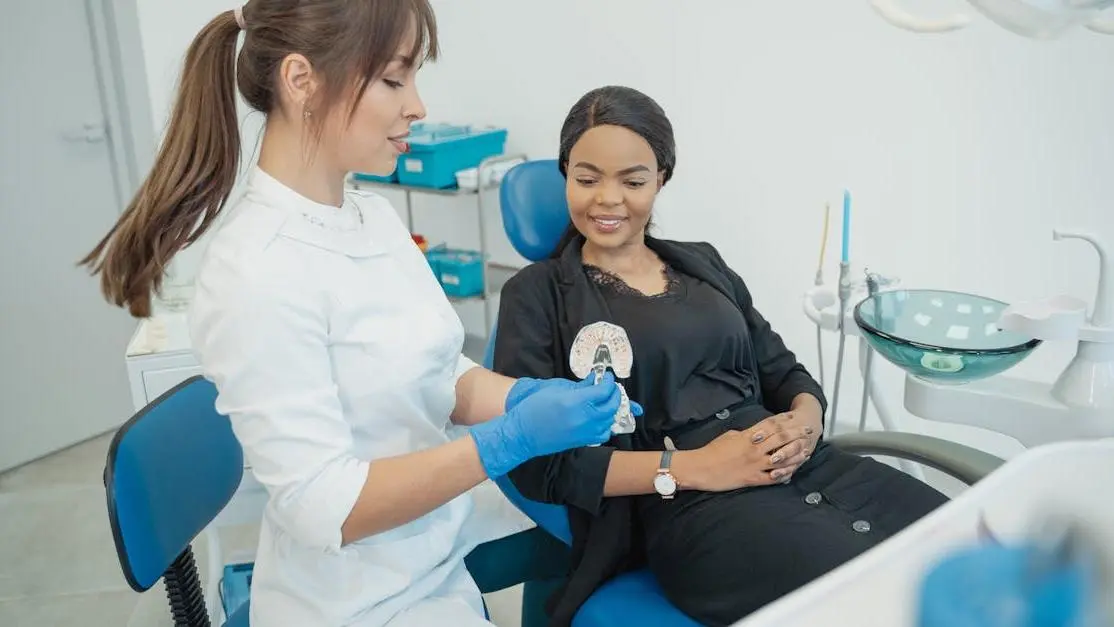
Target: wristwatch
{"x":664,"y":482}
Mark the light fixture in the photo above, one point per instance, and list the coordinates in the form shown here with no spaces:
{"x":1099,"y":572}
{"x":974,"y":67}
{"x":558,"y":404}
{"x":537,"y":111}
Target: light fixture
{"x":1037,"y":19}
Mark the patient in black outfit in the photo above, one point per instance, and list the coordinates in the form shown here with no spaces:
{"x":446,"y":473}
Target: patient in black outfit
{"x":764,"y":505}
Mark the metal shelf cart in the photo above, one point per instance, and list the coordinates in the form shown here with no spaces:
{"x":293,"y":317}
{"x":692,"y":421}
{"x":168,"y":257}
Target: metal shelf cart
{"x":489,"y":289}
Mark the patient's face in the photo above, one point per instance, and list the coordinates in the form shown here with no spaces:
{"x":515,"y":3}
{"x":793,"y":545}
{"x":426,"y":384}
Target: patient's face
{"x":612,"y":182}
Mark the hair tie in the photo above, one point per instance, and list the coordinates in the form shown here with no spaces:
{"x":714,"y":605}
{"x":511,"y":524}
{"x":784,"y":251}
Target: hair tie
{"x":238,"y":12}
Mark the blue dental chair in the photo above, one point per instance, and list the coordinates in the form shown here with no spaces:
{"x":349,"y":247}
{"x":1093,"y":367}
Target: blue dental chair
{"x":535,"y":215}
{"x":176,"y":464}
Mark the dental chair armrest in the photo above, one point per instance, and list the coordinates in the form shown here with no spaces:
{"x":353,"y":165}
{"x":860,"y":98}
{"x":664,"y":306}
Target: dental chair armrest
{"x":962,"y":462}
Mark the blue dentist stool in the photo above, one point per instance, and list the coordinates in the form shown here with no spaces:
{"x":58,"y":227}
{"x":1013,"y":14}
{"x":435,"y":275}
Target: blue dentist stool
{"x":172,"y":468}
{"x":175,"y":465}
{"x":535,"y":215}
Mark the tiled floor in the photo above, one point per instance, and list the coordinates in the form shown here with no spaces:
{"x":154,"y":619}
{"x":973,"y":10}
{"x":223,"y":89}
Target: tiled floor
{"x":57,"y":561}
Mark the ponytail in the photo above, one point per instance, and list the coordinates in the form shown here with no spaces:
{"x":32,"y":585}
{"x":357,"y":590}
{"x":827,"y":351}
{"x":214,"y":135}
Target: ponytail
{"x":190,"y":182}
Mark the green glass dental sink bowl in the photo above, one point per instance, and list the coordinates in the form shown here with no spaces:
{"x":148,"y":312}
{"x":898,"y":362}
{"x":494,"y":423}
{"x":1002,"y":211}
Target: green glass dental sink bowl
{"x":941,"y":336}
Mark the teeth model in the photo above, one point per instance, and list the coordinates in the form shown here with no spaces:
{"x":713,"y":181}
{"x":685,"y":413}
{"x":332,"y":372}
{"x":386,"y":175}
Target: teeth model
{"x":597,"y":347}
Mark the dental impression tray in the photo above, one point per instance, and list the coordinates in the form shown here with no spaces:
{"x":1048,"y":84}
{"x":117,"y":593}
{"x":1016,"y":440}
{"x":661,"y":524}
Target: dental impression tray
{"x":597,"y":347}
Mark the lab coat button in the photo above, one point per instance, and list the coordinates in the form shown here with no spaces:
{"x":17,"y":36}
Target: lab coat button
{"x":861,"y":526}
{"x":813,"y":498}
{"x":723,"y":414}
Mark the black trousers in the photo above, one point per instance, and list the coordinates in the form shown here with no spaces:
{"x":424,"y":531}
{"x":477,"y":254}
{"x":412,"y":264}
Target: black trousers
{"x":721,"y":556}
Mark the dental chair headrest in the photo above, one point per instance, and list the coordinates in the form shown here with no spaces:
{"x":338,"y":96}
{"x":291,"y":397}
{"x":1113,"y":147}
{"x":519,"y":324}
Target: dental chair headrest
{"x":535,"y":213}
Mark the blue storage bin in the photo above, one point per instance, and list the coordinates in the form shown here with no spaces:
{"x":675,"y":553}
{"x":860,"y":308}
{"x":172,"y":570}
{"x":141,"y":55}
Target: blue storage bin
{"x":438,"y":152}
{"x":460,"y":272}
{"x":432,"y":255}
{"x":375,"y":178}
{"x":235,"y":586}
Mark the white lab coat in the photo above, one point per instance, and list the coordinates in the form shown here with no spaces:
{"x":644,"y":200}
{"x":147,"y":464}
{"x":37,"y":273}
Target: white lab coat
{"x":331,"y":344}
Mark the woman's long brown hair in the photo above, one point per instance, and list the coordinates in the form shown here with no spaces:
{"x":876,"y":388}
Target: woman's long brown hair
{"x":345,"y":41}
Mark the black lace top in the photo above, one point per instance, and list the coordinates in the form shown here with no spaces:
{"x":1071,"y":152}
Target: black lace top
{"x":690,"y":348}
{"x":615,"y":284}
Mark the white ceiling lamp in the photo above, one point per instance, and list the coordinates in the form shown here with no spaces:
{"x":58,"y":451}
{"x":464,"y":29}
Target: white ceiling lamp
{"x":1038,"y":19}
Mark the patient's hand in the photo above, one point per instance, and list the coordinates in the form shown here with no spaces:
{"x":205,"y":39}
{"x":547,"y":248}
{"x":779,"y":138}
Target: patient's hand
{"x":786,"y":460}
{"x":742,"y":459}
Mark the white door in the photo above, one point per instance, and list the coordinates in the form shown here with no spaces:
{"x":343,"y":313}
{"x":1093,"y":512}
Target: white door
{"x":62,"y":372}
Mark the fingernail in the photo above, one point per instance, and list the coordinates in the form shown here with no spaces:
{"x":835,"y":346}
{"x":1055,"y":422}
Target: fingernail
{"x":776,"y":458}
{"x":758,"y":437}
{"x":776,"y":474}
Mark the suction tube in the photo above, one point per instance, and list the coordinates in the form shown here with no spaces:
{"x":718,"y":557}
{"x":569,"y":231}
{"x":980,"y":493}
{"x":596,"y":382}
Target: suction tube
{"x":838,"y":378}
{"x":872,"y":289}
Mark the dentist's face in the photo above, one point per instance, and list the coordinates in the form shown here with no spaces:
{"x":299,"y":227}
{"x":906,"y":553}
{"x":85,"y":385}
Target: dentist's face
{"x":375,"y":136}
{"x":611,"y":184}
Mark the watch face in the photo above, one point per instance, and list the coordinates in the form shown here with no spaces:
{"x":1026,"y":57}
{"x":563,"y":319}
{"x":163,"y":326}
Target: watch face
{"x":665,"y":484}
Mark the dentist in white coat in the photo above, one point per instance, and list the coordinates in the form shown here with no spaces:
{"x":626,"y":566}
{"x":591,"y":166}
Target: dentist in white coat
{"x":335,"y":353}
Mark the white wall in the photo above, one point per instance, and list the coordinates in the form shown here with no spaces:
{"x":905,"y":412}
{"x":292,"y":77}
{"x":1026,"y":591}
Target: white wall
{"x":962,"y":151}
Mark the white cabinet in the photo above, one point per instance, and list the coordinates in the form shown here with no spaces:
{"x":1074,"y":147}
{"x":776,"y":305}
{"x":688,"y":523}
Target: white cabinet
{"x":159,"y":357}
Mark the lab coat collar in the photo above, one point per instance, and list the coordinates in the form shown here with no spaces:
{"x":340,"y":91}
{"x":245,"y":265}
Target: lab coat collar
{"x":341,"y":229}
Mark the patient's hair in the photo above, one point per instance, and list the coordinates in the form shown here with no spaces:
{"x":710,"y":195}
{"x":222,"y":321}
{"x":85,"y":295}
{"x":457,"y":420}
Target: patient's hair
{"x":617,"y":106}
{"x":348,"y":43}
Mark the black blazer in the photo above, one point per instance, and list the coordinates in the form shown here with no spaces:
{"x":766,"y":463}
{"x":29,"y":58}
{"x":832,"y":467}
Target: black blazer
{"x":542,"y":308}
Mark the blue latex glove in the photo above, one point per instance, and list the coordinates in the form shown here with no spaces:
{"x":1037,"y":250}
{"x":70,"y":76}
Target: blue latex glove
{"x":554,"y":418}
{"x":526,"y":386}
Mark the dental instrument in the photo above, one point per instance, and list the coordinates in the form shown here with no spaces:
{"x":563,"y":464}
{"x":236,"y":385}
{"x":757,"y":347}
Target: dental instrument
{"x":1037,"y":19}
{"x":598,"y":347}
{"x":844,"y":296}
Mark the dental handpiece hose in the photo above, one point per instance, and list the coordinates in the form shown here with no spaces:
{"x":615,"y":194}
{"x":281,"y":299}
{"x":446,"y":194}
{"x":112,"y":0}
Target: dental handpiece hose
{"x":817,"y":282}
{"x":844,"y":296}
{"x":820,"y":333}
{"x":871,"y":290}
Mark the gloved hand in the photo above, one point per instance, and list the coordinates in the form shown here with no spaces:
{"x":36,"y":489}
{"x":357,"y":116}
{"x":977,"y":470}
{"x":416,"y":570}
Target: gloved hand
{"x":554,"y":418}
{"x":526,"y":386}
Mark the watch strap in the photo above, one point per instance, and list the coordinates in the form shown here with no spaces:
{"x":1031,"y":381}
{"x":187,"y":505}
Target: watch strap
{"x":666,"y":460}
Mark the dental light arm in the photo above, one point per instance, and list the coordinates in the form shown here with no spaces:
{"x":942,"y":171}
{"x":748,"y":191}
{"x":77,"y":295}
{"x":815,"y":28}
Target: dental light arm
{"x":892,"y":12}
{"x":1038,"y":19}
